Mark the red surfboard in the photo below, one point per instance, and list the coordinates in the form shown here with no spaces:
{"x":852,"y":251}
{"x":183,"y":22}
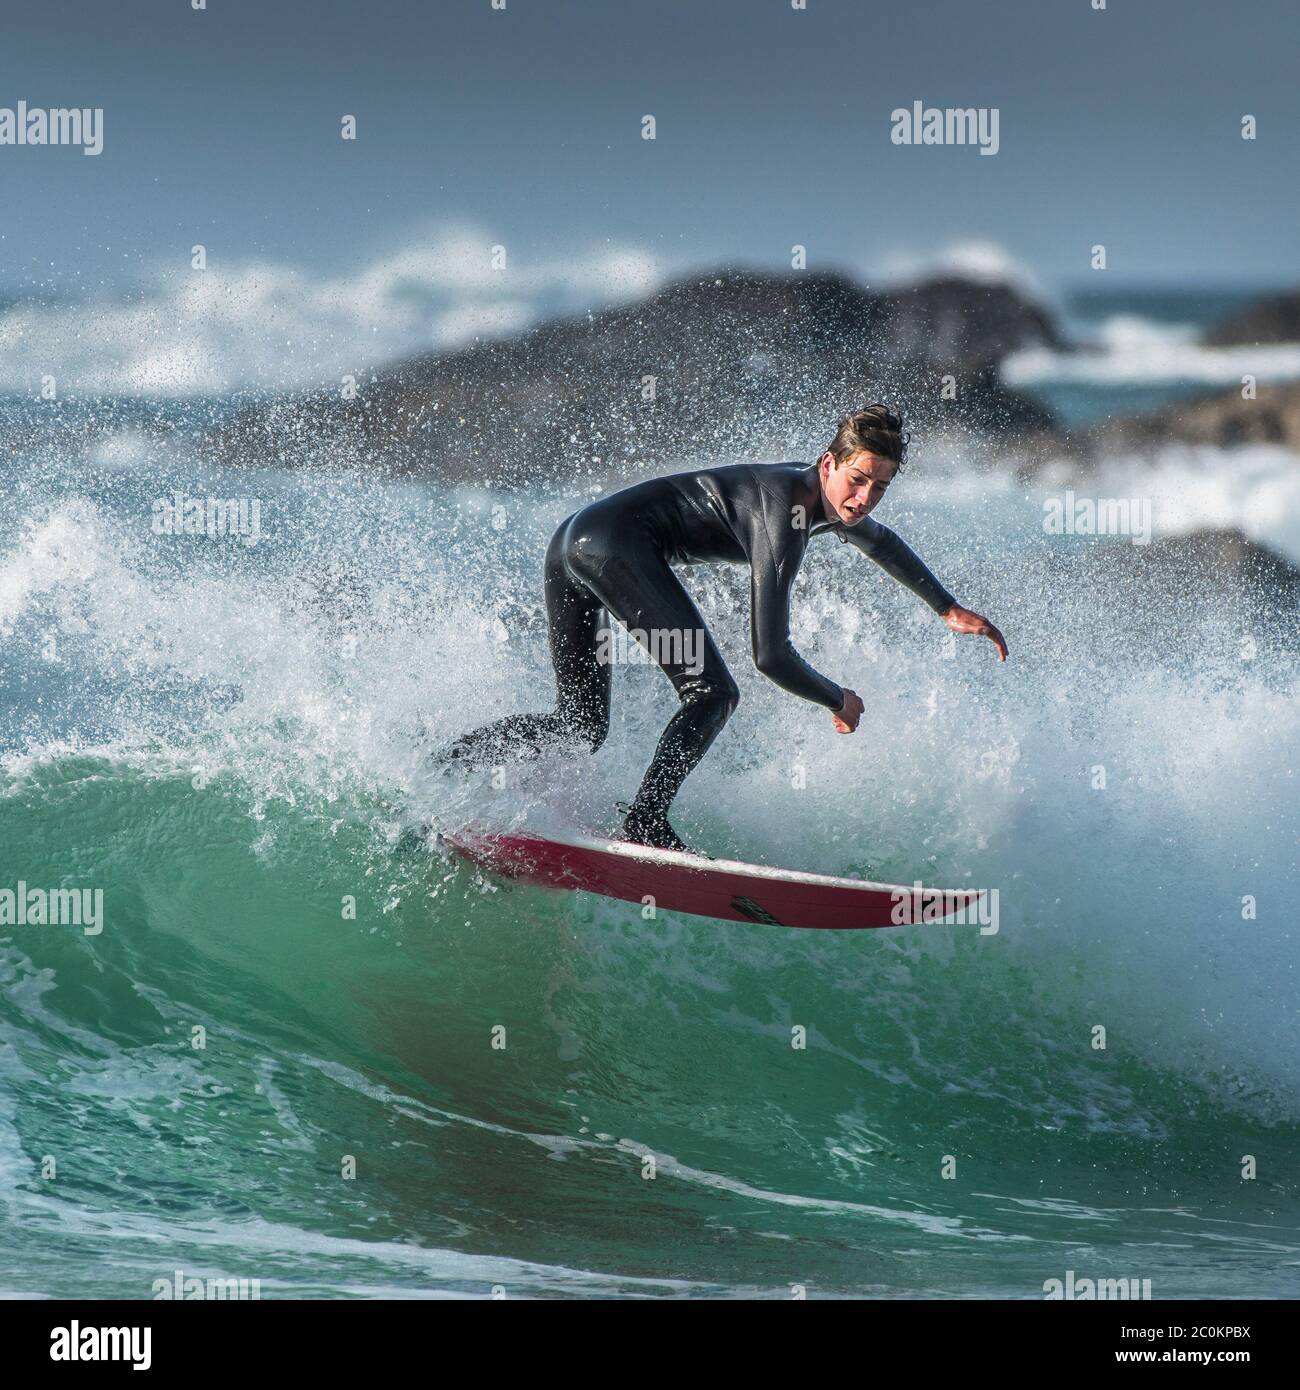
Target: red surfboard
{"x":721,"y":888}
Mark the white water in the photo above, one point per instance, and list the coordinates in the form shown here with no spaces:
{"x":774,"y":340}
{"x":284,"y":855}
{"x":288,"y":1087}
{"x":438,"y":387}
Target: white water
{"x":375,"y":622}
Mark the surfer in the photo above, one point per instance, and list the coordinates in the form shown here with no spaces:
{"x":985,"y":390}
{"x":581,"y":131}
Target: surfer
{"x":616,"y":555}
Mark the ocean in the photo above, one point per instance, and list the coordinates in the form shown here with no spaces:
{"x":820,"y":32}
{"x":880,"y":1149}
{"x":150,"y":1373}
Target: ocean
{"x":1133,"y":348}
{"x":304,"y":1047}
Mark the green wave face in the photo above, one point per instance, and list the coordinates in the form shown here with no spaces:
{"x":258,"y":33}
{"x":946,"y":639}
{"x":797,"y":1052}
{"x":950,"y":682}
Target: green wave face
{"x":548,"y":1092}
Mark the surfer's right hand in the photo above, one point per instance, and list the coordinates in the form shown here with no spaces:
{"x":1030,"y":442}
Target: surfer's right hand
{"x":846,"y":717}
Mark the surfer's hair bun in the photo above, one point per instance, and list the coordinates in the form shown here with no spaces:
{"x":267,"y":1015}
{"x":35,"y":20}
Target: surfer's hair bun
{"x":875,"y":429}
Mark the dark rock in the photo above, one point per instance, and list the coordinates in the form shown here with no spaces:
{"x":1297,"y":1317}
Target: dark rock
{"x":745,"y":365}
{"x":1273,"y":319}
{"x":1149,"y":604}
{"x":1224,"y":420}
{"x":1220,"y":555}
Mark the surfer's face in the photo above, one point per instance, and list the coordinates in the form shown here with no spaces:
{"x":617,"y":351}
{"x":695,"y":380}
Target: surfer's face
{"x":854,"y":487}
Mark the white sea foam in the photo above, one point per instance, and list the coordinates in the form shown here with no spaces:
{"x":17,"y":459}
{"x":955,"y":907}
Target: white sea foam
{"x":1254,"y":489}
{"x":274,"y":326}
{"x":1129,"y":350}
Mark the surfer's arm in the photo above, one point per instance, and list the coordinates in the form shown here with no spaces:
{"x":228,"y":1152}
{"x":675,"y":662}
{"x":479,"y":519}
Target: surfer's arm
{"x":899,"y":561}
{"x":774,"y":653}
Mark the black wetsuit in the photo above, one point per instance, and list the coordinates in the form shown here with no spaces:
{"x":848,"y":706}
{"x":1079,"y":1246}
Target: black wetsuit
{"x":616,"y":554}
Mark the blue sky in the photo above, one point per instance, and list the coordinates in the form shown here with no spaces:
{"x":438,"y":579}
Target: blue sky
{"x":773,"y":124}
{"x":522,"y":127}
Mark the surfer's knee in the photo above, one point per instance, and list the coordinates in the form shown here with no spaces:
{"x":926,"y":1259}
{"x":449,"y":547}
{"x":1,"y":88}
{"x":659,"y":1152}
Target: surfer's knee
{"x":715,"y":696}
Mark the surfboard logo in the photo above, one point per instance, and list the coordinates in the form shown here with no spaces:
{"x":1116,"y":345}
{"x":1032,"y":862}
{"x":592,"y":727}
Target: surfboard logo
{"x":754,"y":912}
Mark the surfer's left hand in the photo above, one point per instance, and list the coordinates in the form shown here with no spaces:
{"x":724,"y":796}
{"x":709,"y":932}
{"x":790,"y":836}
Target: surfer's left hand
{"x":846,"y":717}
{"x":962,"y":620}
